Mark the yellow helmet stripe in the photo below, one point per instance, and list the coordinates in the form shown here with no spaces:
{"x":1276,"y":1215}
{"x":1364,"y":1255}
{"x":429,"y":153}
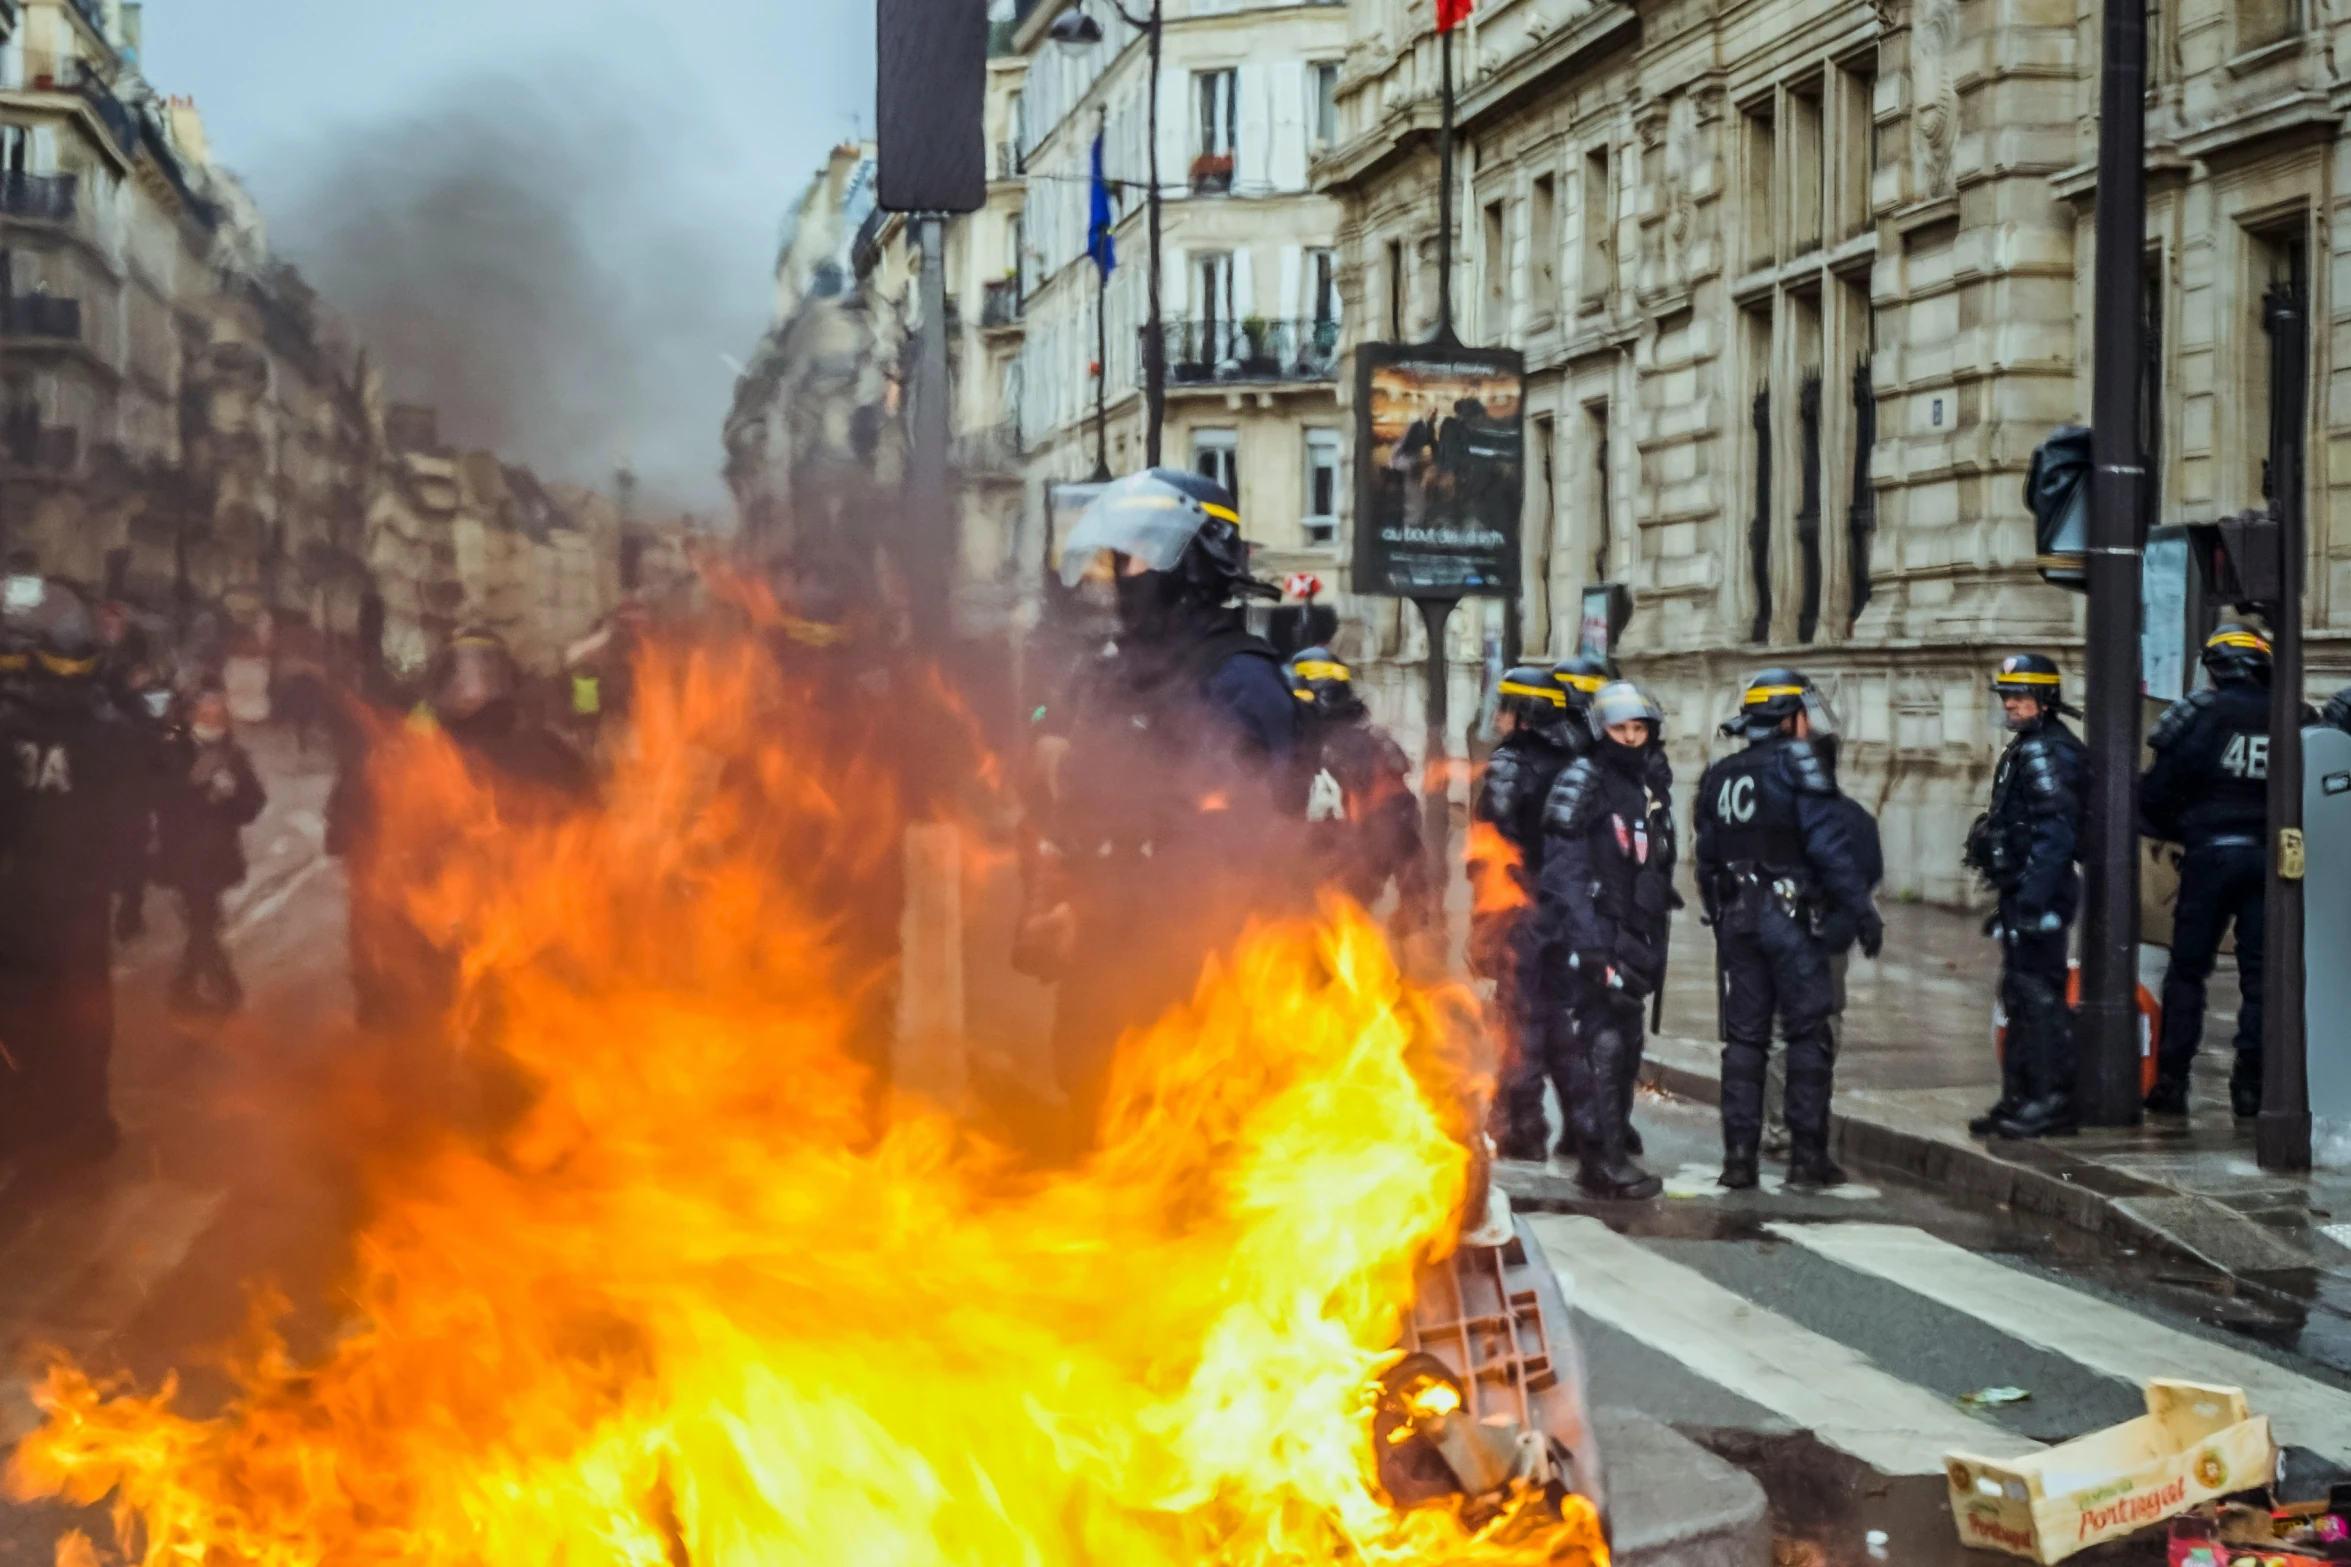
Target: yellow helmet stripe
{"x":2028,"y":678}
{"x":71,"y":668}
{"x":1221,"y":513}
{"x":1757,"y":694}
{"x":1588,"y":684}
{"x":1552,"y":695}
{"x":1318,"y":670}
{"x":2239,"y":639}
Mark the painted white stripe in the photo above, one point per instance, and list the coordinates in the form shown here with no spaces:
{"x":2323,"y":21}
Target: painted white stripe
{"x":2083,"y":1328}
{"x":1812,"y":1382}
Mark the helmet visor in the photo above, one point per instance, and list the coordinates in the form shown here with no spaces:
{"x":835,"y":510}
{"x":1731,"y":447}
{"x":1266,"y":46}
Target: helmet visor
{"x":1140,"y":517}
{"x":1622,"y":702}
{"x":1819,"y":713}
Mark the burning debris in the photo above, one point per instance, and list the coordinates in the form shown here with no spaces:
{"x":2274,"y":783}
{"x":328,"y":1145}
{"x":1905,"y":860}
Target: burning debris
{"x":687,"y":1304}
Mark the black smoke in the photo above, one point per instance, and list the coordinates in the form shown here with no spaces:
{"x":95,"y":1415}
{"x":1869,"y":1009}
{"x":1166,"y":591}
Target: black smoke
{"x":541,"y":259}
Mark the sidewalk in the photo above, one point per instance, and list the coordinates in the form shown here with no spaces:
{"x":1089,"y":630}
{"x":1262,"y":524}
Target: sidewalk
{"x":1917,"y":1064}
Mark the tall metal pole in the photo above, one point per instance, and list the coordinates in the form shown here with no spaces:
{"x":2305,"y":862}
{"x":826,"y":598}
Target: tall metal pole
{"x":1102,"y":352}
{"x":2281,"y":1138}
{"x":1155,"y":328}
{"x":930,"y":540}
{"x":1436,"y":790}
{"x":2108,"y":1089}
{"x":1445,"y":191}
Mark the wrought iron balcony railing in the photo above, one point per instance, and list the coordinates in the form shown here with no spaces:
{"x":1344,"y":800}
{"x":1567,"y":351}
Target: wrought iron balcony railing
{"x":1001,"y":304}
{"x":41,"y":315}
{"x":1222,"y":352}
{"x":994,"y":449}
{"x":48,"y":198}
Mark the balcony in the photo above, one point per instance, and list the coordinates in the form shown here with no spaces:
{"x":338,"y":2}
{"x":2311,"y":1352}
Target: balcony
{"x":1001,"y":305}
{"x":42,"y":198}
{"x":41,"y":315}
{"x":1212,"y":174}
{"x":1011,"y":163}
{"x":994,"y":450}
{"x":1228,"y":353}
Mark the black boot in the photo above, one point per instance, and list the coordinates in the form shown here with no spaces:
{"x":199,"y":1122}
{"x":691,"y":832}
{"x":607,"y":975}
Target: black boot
{"x":2013,"y":1091}
{"x":1607,"y":1169}
{"x":1627,"y":1096}
{"x":1810,"y":1169}
{"x":2051,"y":1115}
{"x":1738,"y":1170}
{"x":2245,"y":1085}
{"x":2169,"y":1096}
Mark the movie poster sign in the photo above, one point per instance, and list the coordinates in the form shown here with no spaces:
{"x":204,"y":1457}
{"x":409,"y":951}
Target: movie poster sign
{"x":1440,"y":477}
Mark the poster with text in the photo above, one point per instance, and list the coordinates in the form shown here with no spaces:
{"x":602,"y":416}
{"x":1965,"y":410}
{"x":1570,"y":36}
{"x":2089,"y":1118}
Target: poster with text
{"x":1440,"y":470}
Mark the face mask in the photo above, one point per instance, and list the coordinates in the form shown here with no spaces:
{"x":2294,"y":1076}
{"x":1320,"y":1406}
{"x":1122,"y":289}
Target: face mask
{"x":158,"y":703}
{"x":207,"y":734}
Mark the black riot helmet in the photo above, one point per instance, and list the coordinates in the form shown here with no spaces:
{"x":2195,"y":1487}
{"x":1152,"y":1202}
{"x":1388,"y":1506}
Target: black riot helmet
{"x":61,"y":641}
{"x":1319,"y":678}
{"x":2338,"y":710}
{"x":2035,"y":675}
{"x":1622,"y":702}
{"x":1172,"y":540}
{"x":2238,"y":652}
{"x":471,"y":676}
{"x":1773,"y":697}
{"x":1581,"y":677}
{"x":1535,"y":702}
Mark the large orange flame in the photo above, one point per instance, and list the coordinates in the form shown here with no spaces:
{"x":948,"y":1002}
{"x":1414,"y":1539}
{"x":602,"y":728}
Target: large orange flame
{"x":688,"y":1307}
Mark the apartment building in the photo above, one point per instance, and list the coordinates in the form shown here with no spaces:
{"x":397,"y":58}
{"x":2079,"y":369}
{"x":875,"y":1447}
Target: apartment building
{"x":1251,"y":291}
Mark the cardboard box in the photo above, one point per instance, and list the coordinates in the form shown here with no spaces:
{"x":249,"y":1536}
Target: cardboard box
{"x":2194,"y":1443}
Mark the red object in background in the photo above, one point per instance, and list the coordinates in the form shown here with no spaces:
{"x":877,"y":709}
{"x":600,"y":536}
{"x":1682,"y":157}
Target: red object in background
{"x":1452,"y":13}
{"x":1302,"y":585}
{"x":2150,"y":1008}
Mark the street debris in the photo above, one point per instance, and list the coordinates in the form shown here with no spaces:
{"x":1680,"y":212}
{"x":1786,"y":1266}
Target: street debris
{"x":1994,"y":1397}
{"x":2228,"y":1533}
{"x":2194,"y":1444}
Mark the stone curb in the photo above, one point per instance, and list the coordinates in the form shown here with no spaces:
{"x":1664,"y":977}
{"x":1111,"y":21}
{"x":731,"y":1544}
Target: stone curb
{"x":1674,"y":1504}
{"x":2055,"y":1184}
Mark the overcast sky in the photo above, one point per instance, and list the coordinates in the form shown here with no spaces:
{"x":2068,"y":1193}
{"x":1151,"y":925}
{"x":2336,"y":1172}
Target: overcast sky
{"x":550,"y":217}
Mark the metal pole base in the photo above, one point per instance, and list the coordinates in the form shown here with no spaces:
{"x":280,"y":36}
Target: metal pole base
{"x":2281,"y":1140}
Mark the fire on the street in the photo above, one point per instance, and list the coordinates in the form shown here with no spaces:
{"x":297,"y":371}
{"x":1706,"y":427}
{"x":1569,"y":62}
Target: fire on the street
{"x":682,"y":1306}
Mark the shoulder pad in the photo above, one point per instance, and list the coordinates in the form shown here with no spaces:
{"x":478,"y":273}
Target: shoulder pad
{"x":2043,"y":767}
{"x":2178,"y":718}
{"x":1505,"y":773}
{"x":1575,"y":798}
{"x":1808,"y":770}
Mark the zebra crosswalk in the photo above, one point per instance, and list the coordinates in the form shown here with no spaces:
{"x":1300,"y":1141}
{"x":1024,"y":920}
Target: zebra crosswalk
{"x":1894,"y":1405}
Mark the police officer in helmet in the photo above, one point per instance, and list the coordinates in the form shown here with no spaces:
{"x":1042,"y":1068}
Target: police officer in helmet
{"x":1362,"y":818}
{"x":1171,"y":779}
{"x":2208,"y":791}
{"x":1606,"y":917}
{"x":2024,"y":847}
{"x":2337,"y":713}
{"x":72,"y":772}
{"x":1542,"y":715}
{"x":1786,"y":889}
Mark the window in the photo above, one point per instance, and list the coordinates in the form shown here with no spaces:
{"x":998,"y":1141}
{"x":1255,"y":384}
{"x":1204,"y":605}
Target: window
{"x":1395,"y":291}
{"x":1322,"y":284}
{"x":2264,"y":22}
{"x":1807,"y":171}
{"x":1326,"y":103}
{"x":1761,"y":153}
{"x":1218,"y":95}
{"x":1857,"y":156}
{"x":1543,"y":247}
{"x":1496,"y":312}
{"x":1599,"y":251}
{"x":1322,"y":486}
{"x":1217,"y":453}
{"x":1212,"y":291}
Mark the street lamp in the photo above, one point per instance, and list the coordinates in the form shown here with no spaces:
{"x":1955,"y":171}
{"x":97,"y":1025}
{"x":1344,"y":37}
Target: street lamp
{"x":1076,"y":28}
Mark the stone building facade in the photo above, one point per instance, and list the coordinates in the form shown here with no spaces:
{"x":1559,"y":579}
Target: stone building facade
{"x":181,"y":424}
{"x":1801,"y":284}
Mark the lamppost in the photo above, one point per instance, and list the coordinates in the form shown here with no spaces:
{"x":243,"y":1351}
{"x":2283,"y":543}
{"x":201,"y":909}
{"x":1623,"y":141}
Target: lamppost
{"x":1077,"y":29}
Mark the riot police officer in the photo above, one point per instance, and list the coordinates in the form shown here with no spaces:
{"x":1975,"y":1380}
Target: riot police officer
{"x":2208,"y":791}
{"x":1786,"y":890}
{"x":1606,"y":916}
{"x":1543,"y":714}
{"x":1362,"y":818}
{"x":71,"y":769}
{"x":2337,"y":712}
{"x":1165,"y":797}
{"x":2024,"y":847}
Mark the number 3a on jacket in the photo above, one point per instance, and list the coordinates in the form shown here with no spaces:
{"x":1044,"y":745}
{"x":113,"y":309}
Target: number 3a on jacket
{"x":43,"y":769}
{"x":2246,"y":757}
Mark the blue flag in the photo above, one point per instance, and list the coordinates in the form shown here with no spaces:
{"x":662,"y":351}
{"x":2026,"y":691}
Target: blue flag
{"x":1099,"y":244}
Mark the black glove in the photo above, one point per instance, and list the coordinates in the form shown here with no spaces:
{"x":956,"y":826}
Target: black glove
{"x":1873,"y":935}
{"x":1992,"y":924}
{"x":1597,"y":967}
{"x":1837,"y":932}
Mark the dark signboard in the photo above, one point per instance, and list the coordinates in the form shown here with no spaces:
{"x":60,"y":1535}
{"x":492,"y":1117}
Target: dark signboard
{"x":930,"y":104}
{"x":1440,"y":476}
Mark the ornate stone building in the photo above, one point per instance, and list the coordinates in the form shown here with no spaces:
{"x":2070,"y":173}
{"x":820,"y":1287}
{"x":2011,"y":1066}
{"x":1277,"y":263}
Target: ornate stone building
{"x":1801,"y":284}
